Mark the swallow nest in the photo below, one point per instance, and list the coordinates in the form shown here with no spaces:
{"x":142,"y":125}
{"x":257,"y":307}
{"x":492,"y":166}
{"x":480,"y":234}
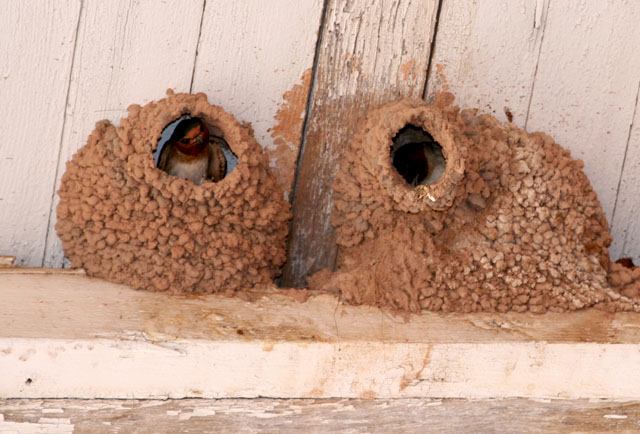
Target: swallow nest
{"x":512,"y":223}
{"x":122,"y":219}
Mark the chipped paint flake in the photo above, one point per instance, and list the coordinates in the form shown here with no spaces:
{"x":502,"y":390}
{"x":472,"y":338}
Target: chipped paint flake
{"x":44,"y":425}
{"x":56,"y":421}
{"x":197,"y":412}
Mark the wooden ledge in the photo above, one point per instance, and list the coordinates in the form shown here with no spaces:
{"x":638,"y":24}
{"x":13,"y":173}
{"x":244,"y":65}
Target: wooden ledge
{"x":66,"y":335}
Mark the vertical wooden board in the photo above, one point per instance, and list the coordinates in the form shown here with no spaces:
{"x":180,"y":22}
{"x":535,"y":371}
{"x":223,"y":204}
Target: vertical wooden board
{"x":586,"y":85}
{"x":35,"y":62}
{"x":371,"y":52}
{"x":128,"y":51}
{"x":625,"y":226}
{"x":486,"y":54}
{"x":255,"y":60}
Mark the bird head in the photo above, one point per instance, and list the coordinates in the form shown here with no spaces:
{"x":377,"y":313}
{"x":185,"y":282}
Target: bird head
{"x":191,"y":135}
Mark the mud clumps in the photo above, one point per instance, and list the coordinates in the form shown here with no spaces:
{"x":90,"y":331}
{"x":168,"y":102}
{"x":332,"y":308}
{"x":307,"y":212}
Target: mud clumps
{"x":512,"y":224}
{"x":122,"y":219}
{"x":626,"y":280}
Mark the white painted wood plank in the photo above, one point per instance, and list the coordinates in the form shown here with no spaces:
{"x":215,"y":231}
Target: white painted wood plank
{"x":146,"y":369}
{"x":35,"y":63}
{"x":586,"y":85}
{"x":72,"y":336}
{"x":486,"y":54}
{"x":255,"y":60}
{"x":128,"y":51}
{"x":625,"y":227}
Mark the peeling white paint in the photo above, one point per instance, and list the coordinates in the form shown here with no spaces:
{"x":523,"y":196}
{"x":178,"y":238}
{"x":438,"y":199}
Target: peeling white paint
{"x":36,"y":428}
{"x":197,"y":412}
{"x":54,"y":420}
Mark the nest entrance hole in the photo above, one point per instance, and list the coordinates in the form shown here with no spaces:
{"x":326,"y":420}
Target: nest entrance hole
{"x":416,"y":156}
{"x":215,"y":134}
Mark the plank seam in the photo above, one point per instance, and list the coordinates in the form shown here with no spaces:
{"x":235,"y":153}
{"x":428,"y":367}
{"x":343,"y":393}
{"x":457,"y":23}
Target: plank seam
{"x":285,"y":279}
{"x":432,"y":50}
{"x":624,"y":161}
{"x":195,"y":56}
{"x":545,"y":14}
{"x":311,"y":94}
{"x":64,"y":125}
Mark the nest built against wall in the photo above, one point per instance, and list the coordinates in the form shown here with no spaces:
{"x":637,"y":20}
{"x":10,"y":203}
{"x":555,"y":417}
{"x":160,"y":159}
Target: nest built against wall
{"x":125,"y":220}
{"x":510,"y":222}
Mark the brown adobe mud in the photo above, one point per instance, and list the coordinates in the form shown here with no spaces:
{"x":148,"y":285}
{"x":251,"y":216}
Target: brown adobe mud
{"x":512,"y":225}
{"x":122,"y":219}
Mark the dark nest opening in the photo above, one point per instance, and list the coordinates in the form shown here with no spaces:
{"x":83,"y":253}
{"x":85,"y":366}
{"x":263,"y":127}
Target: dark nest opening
{"x":416,"y":156}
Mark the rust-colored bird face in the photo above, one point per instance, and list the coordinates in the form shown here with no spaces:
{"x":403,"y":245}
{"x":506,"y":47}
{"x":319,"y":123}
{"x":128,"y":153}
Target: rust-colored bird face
{"x":189,"y":154}
{"x":191,"y":136}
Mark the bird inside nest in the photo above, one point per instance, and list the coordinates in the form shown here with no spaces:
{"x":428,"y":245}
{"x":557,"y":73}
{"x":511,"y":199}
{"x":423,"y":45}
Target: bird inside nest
{"x":191,"y":154}
{"x":417,"y":156}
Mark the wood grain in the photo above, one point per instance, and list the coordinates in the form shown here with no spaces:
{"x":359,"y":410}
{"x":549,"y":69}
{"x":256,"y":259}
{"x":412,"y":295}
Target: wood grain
{"x":66,"y":304}
{"x":285,"y":416}
{"x":370,"y":53}
{"x":586,"y":87}
{"x":486,"y":54}
{"x":127,"y":52}
{"x":255,"y":60}
{"x":35,"y":64}
{"x":626,"y":222}
{"x":75,"y":336}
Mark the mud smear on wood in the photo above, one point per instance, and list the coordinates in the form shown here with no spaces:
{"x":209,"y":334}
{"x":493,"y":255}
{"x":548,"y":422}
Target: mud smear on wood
{"x":224,"y":317}
{"x":513,"y":224}
{"x":444,"y":84}
{"x":407,"y":70}
{"x":287,"y":133}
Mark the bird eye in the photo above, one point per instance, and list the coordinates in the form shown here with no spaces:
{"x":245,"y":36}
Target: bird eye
{"x":184,"y":141}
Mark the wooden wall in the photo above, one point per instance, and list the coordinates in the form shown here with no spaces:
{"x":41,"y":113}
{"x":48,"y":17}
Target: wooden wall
{"x":571,"y":69}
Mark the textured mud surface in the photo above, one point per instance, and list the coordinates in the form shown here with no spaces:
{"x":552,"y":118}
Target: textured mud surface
{"x":122,"y":219}
{"x":512,"y":224}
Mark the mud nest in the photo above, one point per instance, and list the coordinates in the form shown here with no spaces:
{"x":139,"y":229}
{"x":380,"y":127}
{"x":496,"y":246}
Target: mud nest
{"x":122,"y":219}
{"x":512,"y":223}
